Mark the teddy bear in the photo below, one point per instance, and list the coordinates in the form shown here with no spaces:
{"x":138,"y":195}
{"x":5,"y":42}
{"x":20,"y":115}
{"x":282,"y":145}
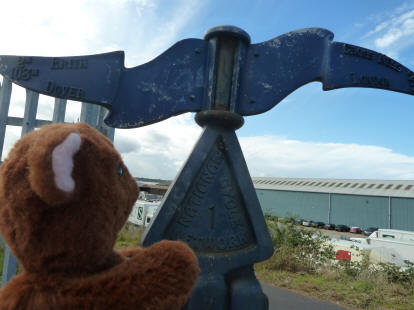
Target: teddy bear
{"x":64,"y":196}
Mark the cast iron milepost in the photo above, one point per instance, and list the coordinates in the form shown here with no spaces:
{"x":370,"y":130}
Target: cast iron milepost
{"x":212,"y":204}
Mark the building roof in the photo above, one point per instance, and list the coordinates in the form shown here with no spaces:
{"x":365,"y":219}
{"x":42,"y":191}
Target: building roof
{"x":393,"y":188}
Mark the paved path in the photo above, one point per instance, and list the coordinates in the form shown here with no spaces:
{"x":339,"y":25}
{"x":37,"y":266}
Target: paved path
{"x":283,"y":299}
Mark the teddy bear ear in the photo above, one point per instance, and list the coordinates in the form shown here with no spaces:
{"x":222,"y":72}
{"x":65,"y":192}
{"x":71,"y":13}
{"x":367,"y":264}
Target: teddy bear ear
{"x":62,"y":162}
{"x":50,"y":170}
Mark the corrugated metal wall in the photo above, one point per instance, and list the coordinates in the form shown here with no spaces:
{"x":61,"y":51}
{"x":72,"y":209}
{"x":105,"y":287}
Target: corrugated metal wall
{"x":352,"y":210}
{"x":361,"y":211}
{"x":311,"y":206}
{"x":402,"y":213}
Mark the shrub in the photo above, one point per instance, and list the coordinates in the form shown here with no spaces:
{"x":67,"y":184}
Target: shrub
{"x":355,"y":269}
{"x":270,"y":217}
{"x":297,"y":249}
{"x":396,"y":274}
{"x":300,"y":250}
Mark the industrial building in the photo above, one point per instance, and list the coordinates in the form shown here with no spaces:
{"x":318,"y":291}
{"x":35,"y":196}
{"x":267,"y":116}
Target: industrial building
{"x":362,"y":203}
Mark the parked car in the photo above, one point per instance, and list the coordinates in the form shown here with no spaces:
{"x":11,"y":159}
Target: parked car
{"x":307,"y":223}
{"x":355,"y":230}
{"x":370,"y":230}
{"x":343,"y":228}
{"x":318,"y":224}
{"x":329,"y":226}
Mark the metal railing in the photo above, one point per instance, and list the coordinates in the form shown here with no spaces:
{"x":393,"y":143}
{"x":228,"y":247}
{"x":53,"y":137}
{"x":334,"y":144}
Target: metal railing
{"x":90,"y":114}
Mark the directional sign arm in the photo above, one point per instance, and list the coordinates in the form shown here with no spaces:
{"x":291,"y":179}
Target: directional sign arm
{"x":275,"y":68}
{"x":353,"y":66}
{"x":91,"y":79}
{"x":171,"y":84}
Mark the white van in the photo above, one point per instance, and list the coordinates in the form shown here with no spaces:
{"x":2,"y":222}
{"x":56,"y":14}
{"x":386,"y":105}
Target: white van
{"x":142,"y":212}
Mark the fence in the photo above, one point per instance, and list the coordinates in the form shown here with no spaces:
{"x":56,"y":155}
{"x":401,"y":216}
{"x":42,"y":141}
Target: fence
{"x":90,"y":114}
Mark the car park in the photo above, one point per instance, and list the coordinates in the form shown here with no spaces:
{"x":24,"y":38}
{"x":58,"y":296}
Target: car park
{"x":329,"y":226}
{"x":318,"y":224}
{"x":368,"y":231}
{"x":355,"y":230}
{"x":342,"y":228}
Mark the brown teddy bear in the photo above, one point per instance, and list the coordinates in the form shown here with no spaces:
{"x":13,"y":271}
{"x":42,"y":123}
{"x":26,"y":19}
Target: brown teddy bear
{"x":64,"y":196}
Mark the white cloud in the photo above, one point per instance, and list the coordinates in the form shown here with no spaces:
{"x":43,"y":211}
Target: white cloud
{"x":159,"y":150}
{"x":278,"y":156}
{"x":396,"y":33}
{"x":142,"y":28}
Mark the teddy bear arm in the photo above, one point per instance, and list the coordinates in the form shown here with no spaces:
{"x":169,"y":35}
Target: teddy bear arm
{"x":159,"y":277}
{"x":16,"y":294}
{"x":129,"y":253}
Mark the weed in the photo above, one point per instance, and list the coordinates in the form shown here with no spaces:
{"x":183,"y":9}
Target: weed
{"x":397,"y":274}
{"x":298,"y":249}
{"x":305,"y":262}
{"x":129,"y":236}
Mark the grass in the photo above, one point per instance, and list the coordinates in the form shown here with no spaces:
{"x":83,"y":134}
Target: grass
{"x":376,"y":293}
{"x":352,"y":285}
{"x":293,"y":268}
{"x":129,"y":237}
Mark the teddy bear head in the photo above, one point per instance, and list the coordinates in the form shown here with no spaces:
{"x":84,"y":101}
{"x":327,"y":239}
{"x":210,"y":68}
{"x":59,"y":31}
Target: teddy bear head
{"x":64,"y":196}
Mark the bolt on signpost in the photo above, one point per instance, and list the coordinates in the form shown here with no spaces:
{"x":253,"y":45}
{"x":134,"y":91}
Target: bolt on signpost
{"x":212,"y":204}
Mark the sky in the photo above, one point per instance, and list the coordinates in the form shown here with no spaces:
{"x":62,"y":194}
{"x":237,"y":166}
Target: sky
{"x":346,"y":133}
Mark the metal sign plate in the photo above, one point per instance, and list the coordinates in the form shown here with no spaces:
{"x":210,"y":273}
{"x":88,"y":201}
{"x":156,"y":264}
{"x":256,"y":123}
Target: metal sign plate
{"x":275,"y":68}
{"x":83,"y":78}
{"x":213,"y":207}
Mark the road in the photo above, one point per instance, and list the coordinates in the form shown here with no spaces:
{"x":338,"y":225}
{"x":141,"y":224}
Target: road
{"x":282,"y":299}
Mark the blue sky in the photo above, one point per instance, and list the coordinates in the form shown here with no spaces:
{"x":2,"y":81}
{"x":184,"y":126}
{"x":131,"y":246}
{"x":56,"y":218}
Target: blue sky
{"x":346,"y":133}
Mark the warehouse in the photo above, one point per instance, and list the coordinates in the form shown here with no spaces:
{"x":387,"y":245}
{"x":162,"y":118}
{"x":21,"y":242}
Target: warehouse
{"x":362,"y":203}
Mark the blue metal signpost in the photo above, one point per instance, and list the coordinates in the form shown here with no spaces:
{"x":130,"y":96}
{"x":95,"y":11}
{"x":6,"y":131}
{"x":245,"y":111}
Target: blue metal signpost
{"x":212,"y":204}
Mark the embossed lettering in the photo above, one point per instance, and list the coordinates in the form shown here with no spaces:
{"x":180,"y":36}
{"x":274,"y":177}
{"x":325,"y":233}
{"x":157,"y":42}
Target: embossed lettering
{"x":233,"y":211}
{"x":185,"y":221}
{"x":69,"y":64}
{"x":357,"y":51}
{"x":199,"y":190}
{"x":374,"y":81}
{"x":360,"y":52}
{"x":21,"y":61}
{"x":218,"y":244}
{"x":208,"y":243}
{"x":23,"y":73}
{"x":411,"y":80}
{"x":65,"y":91}
{"x":390,"y":63}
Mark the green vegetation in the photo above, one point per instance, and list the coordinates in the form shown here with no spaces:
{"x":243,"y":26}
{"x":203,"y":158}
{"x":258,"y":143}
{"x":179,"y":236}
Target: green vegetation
{"x":129,"y":237}
{"x":305,"y":263}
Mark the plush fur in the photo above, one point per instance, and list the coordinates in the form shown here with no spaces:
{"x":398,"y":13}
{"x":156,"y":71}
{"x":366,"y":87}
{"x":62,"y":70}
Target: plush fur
{"x":63,"y":237}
